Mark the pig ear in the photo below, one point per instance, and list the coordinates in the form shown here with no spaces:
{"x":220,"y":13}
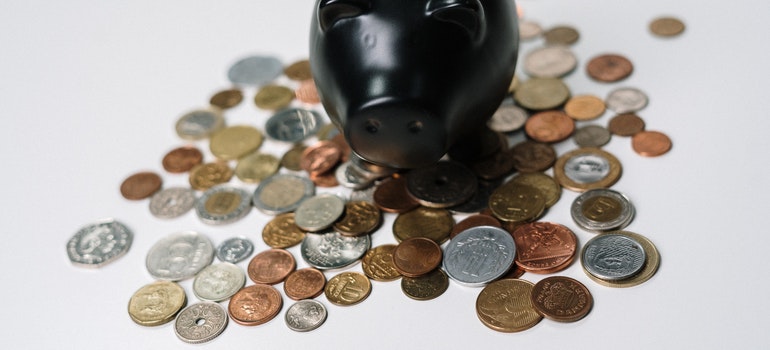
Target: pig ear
{"x":331,"y":11}
{"x":465,"y":13}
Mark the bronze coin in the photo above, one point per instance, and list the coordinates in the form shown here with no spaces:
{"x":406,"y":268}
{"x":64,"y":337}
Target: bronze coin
{"x":544,"y":247}
{"x":391,"y":196}
{"x":561,"y":299}
{"x":291,"y":159}
{"x":360,"y":217}
{"x":140,"y":185}
{"x":320,"y":157}
{"x":416,"y":256}
{"x":609,"y":68}
{"x":182,"y":159}
{"x":205,"y":176}
{"x":271,"y":266}
{"x":549,"y":126}
{"x":304,"y":283}
{"x":651,"y":143}
{"x":327,"y":179}
{"x":584,"y":107}
{"x":506,"y":306}
{"x":474,"y":221}
{"x":298,"y":71}
{"x":530,"y":156}
{"x":255,"y":305}
{"x":226,"y":98}
{"x":667,"y":26}
{"x":626,"y":124}
{"x":282,"y":232}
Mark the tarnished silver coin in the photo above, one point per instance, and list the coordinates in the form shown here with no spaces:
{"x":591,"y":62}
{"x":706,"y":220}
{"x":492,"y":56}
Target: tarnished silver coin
{"x":172,"y":202}
{"x":479,"y":255}
{"x":553,"y":61}
{"x":200,"y":123}
{"x":441,"y":185}
{"x":319,"y":212}
{"x":200,"y":322}
{"x":331,"y":250}
{"x":600,"y":210}
{"x":613,"y":257}
{"x":235,"y":249}
{"x":255,"y":70}
{"x":179,"y":256}
{"x":293,"y":124}
{"x":508,"y":118}
{"x":282,"y":193}
{"x":626,"y":100}
{"x":218,"y":282}
{"x":99,"y":243}
{"x":305,"y":315}
{"x":592,"y":136}
{"x":223,"y":204}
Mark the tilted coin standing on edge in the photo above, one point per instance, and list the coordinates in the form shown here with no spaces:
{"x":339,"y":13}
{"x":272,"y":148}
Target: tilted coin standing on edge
{"x":179,"y":256}
{"x":650,"y":266}
{"x":99,"y":243}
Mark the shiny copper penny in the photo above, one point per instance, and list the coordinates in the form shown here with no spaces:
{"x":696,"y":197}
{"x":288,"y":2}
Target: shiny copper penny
{"x":255,"y":305}
{"x":474,"y":221}
{"x":182,"y":159}
{"x":271,"y":266}
{"x":298,"y":71}
{"x":320,"y":157}
{"x":392,"y":196}
{"x":416,"y":256}
{"x":377,"y":263}
{"x":651,"y":143}
{"x":307,"y":93}
{"x":626,"y":124}
{"x":549,"y":126}
{"x":531,"y":156}
{"x":561,"y":299}
{"x":327,"y":179}
{"x":226,"y":98}
{"x":304,"y":283}
{"x":609,"y":68}
{"x":544,"y":247}
{"x":360,"y":217}
{"x":140,"y":185}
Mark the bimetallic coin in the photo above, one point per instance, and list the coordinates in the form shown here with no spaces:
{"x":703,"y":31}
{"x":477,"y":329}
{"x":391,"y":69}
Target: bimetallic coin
{"x":592,"y":136}
{"x":544,"y":247}
{"x":223,"y":204}
{"x":650,"y":267}
{"x":235,"y":142}
{"x":235,"y":249}
{"x":613,"y":257}
{"x":200,"y":323}
{"x":508,"y":118}
{"x":319,"y":212}
{"x":282,"y":193}
{"x":561,"y":299}
{"x":506,"y":306}
{"x":347,"y":288}
{"x":156,"y":303}
{"x":305,"y":315}
{"x":273,"y":97}
{"x":200,"y":123}
{"x":587,"y":168}
{"x":433,"y":223}
{"x":304,"y":283}
{"x":331,"y":250}
{"x":293,"y":124}
{"x":626,"y":100}
{"x":99,"y":243}
{"x":179,"y":256}
{"x":255,"y":167}
{"x":377,"y":263}
{"x":218,"y":282}
{"x":425,"y":287}
{"x":479,"y":255}
{"x":255,"y":70}
{"x":541,"y":93}
{"x":172,"y":202}
{"x":551,"y":61}
{"x":255,"y":305}
{"x":601,"y":210}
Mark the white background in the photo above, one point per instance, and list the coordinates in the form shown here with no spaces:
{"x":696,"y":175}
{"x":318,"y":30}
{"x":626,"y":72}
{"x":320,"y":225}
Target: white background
{"x":90,"y":92}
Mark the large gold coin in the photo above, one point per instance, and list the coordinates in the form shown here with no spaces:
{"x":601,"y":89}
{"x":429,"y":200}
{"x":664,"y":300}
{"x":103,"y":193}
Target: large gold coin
{"x":651,"y":264}
{"x":378,"y":265}
{"x":255,"y":167}
{"x":433,"y":223}
{"x":506,"y":306}
{"x":587,"y":168}
{"x":273,"y":97}
{"x":235,"y":141}
{"x":282,"y":232}
{"x":156,"y":303}
{"x":347,"y":288}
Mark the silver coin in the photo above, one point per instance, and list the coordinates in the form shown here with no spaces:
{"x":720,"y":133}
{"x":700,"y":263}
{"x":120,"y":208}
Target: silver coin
{"x":331,"y":250}
{"x":592,"y":136}
{"x":587,"y":168}
{"x":172,"y":202}
{"x":351,"y":176}
{"x":293,"y":125}
{"x":200,"y":322}
{"x":529,"y":30}
{"x":99,"y":243}
{"x":479,"y":255}
{"x":281,"y":193}
{"x":200,"y":123}
{"x":235,"y":249}
{"x":218,"y":282}
{"x":305,"y":315}
{"x":441,"y":185}
{"x":179,"y":256}
{"x":319,"y":212}
{"x":551,"y":61}
{"x":600,"y":210}
{"x":613,"y":257}
{"x":223,"y":204}
{"x":626,"y":100}
{"x":508,"y":118}
{"x":255,"y":70}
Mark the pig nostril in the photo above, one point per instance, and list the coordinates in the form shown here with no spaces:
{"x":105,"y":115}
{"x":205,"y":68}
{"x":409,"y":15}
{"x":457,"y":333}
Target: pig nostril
{"x":372,"y":126}
{"x":415,"y":126}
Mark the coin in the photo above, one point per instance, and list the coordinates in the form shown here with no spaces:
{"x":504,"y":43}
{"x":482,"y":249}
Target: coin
{"x":156,"y":303}
{"x":282,"y":193}
{"x":291,"y":159}
{"x":255,"y":305}
{"x":223,"y":204}
{"x":530,"y":156}
{"x":273,"y":97}
{"x":140,"y":185}
{"x":282,"y":232}
{"x":200,"y":123}
{"x":592,"y":136}
{"x":552,"y":61}
{"x":255,"y":70}
{"x":667,"y":26}
{"x":200,"y":323}
{"x":627,"y":124}
{"x":441,"y":185}
{"x":425,"y":287}
{"x":218,"y":282}
{"x":234,"y":250}
{"x":650,"y":267}
{"x":479,"y":255}
{"x":305,"y":315}
{"x":561,"y":35}
{"x":544,"y":247}
{"x":304,"y":283}
{"x":99,"y":243}
{"x":226,"y":99}
{"x":307,"y":93}
{"x":508,"y":118}
{"x":541,"y":93}
{"x":360,"y":217}
{"x":506,"y":306}
{"x":516,"y":203}
{"x":651,"y":143}
{"x":347,"y":288}
{"x":271,"y":266}
{"x":319,"y":212}
{"x":601,"y":210}
{"x":182,"y":159}
{"x":613,"y":257}
{"x":377,"y":263}
{"x":547,"y":186}
{"x":392,"y":196}
{"x":172,"y":202}
{"x":529,"y":30}
{"x":609,"y":68}
{"x":205,"y":176}
{"x":293,"y":124}
{"x":416,"y":256}
{"x":433,"y":223}
{"x":549,"y":126}
{"x":626,"y":100}
{"x":473,"y":221}
{"x":331,"y":250}
{"x":298,"y":71}
{"x":561,"y":299}
{"x":587,"y":168}
{"x":257,"y":166}
{"x":179,"y":256}
{"x":320,"y":157}
{"x":235,"y":142}
{"x":584,"y":107}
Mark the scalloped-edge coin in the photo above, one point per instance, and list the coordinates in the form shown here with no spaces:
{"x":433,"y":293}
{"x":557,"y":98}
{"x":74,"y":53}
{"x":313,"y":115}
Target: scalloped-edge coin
{"x":99,"y":243}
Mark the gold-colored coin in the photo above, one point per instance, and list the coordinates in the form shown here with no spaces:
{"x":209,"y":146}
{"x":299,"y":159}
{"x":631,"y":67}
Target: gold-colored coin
{"x":273,"y":97}
{"x":360,"y":217}
{"x":432,"y":223}
{"x":281,"y":232}
{"x":425,"y":287}
{"x":667,"y":26}
{"x":226,"y":98}
{"x":235,"y":142}
{"x":205,"y":176}
{"x":298,"y":71}
{"x":378,"y":265}
{"x":515,"y":83}
{"x":516,"y":203}
{"x":347,"y":288}
{"x":587,"y":168}
{"x":584,"y":107}
{"x":541,"y":93}
{"x":222,"y":203}
{"x":156,"y":303}
{"x":547,"y":185}
{"x":506,"y":306}
{"x":651,"y":264}
{"x":292,"y":158}
{"x":255,"y":167}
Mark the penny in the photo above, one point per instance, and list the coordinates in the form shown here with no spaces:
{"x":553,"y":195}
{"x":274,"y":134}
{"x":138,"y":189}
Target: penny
{"x":561,"y":299}
{"x":541,"y":93}
{"x":479,"y":255}
{"x":255,"y":70}
{"x":473,"y":221}
{"x":553,"y":61}
{"x":182,"y":159}
{"x":416,"y":256}
{"x":506,"y":306}
{"x":226,"y":99}
{"x":304,"y":283}
{"x":377,"y":263}
{"x":235,"y":142}
{"x":234,"y":250}
{"x":298,"y":71}
{"x":650,"y":267}
{"x":612,"y":256}
{"x":257,"y":166}
{"x":627,"y":124}
{"x":347,"y":288}
{"x":587,"y":168}
{"x":592,"y":136}
{"x":271,"y":266}
{"x":305,"y":315}
{"x":360,"y":217}
{"x":172,"y":202}
{"x":441,"y":185}
{"x":223,"y":204}
{"x":99,"y":243}
{"x":179,"y":256}
{"x":601,"y":210}
{"x":584,"y":107}
{"x":549,"y":126}
{"x":529,"y":30}
{"x":331,"y":250}
{"x":425,"y":287}
{"x":508,"y":118}
{"x":200,"y":323}
{"x":326,"y":180}
{"x":544,"y":247}
{"x":609,"y":68}
{"x":282,"y":232}
{"x":207,"y":175}
{"x":516,"y":203}
{"x":667,"y":26}
{"x":218,"y":282}
{"x":293,"y":124}
{"x":530,"y":156}
{"x":282,"y":193}
{"x":391,"y":196}
{"x":319,"y":212}
{"x":307,"y":93}
{"x":320,"y":157}
{"x":140,"y":185}
{"x":273,"y":97}
{"x":156,"y":303}
{"x":547,"y":186}
{"x":432,"y":223}
{"x":651,"y":143}
{"x":255,"y":305}
{"x":291,"y":159}
{"x":561,"y":35}
{"x":200,"y":123}
{"x":626,"y":100}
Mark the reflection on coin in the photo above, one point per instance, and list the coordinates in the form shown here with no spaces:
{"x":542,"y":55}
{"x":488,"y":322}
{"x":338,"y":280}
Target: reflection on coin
{"x":609,"y":68}
{"x":99,"y":243}
{"x":305,"y":315}
{"x":273,"y":97}
{"x":626,"y":100}
{"x":257,"y":166}
{"x":205,"y":176}
{"x":226,"y":98}
{"x":331,"y":250}
{"x":179,"y":256}
{"x":156,"y":303}
{"x":172,"y":202}
{"x":506,"y":306}
{"x":282,"y":193}
{"x":271,"y":266}
{"x":377,"y":263}
{"x":182,"y":159}
{"x":347,"y":288}
{"x":255,"y":305}
{"x":433,"y":223}
{"x":479,"y":255}
{"x":651,"y":143}
{"x":613,"y":257}
{"x":592,"y":136}
{"x":318,"y":212}
{"x":282,"y":232}
{"x":200,"y":123}
{"x":601,"y":210}
{"x":140,"y":185}
{"x":587,"y":168}
{"x":544,"y":247}
{"x":293,"y":124}
{"x":425,"y":287}
{"x":200,"y":323}
{"x":235,"y":141}
{"x":218,"y":282}
{"x":667,"y":26}
{"x":234,"y":250}
{"x":561,"y":35}
{"x":649,"y":269}
{"x":254,"y":70}
{"x":561,"y":299}
{"x":541,"y":93}
{"x":550,"y":62}
{"x":304,"y":283}
{"x":223,"y":204}
{"x":441,"y":185}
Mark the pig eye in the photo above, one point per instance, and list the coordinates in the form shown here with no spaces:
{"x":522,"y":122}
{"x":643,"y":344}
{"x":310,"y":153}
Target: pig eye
{"x":464,"y":13}
{"x":331,"y":11}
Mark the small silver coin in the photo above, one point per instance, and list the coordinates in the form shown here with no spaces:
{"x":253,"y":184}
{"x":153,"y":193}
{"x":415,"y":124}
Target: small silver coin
{"x":172,"y":202}
{"x":218,"y":282}
{"x":587,"y":168}
{"x":479,"y":255}
{"x":319,"y":212}
{"x":223,"y":204}
{"x":601,"y":210}
{"x":255,"y":70}
{"x":441,"y":185}
{"x":508,"y":118}
{"x":200,"y":123}
{"x":331,"y":250}
{"x":200,"y":322}
{"x":293,"y":125}
{"x":613,"y":257}
{"x":553,"y":61}
{"x":592,"y":136}
{"x":626,"y":100}
{"x":235,"y":250}
{"x":179,"y":256}
{"x":305,"y":315}
{"x":99,"y":243}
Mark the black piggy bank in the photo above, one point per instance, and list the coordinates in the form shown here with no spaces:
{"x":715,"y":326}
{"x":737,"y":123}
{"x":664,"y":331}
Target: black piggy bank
{"x":407,"y":80}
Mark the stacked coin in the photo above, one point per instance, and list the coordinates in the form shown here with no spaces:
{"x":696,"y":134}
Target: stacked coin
{"x":620,"y":259}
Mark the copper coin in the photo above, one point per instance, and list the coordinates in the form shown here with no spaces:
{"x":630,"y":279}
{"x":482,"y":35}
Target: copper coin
{"x":530,"y":156}
{"x":391,"y":196}
{"x":360,"y":217}
{"x":561,"y":299}
{"x":271,"y":266}
{"x":304,"y":283}
{"x":327,"y":179}
{"x":226,"y":98}
{"x":426,"y":287}
{"x":307,"y":93}
{"x":609,"y":68}
{"x":320,"y":157}
{"x":626,"y":124}
{"x":416,"y":256}
{"x":544,"y":247}
{"x":474,"y":221}
{"x":255,"y":305}
{"x":140,"y":185}
{"x":549,"y":126}
{"x":182,"y":159}
{"x":584,"y":107}
{"x":667,"y":26}
{"x":651,"y":143}
{"x":298,"y":71}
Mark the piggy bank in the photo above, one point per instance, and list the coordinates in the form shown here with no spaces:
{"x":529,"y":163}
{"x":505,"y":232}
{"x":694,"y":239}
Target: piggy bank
{"x":406,"y":81}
